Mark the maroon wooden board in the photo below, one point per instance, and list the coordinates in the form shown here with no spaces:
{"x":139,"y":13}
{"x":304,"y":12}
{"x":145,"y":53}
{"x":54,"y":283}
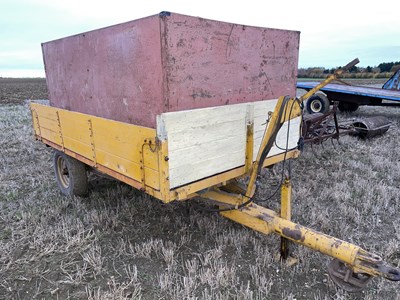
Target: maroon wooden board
{"x":132,"y":72}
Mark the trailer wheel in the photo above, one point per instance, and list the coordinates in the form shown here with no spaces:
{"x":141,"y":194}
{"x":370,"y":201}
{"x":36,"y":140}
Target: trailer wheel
{"x":348,"y":106}
{"x":318,"y":103}
{"x":70,"y":174}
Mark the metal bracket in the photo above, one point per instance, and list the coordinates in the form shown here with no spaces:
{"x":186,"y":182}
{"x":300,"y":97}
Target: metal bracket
{"x":344,"y":277}
{"x":38,"y":125}
{"x":153,"y":146}
{"x":91,"y":134}
{"x":60,"y":131}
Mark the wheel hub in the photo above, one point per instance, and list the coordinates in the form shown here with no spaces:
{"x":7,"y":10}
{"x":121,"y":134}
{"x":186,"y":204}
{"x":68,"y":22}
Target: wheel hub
{"x":63,"y":172}
{"x":315,"y":106}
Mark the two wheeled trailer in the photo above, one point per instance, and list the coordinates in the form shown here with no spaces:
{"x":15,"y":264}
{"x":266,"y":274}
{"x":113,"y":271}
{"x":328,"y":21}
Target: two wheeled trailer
{"x":350,"y":97}
{"x":199,"y":152}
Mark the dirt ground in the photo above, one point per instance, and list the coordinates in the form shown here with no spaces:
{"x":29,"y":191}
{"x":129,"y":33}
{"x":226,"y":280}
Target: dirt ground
{"x":122,"y":244}
{"x":17,"y":90}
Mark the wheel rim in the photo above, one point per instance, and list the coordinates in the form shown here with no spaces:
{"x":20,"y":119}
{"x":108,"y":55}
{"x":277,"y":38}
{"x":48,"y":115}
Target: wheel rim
{"x":62,"y":172}
{"x":315,"y":106}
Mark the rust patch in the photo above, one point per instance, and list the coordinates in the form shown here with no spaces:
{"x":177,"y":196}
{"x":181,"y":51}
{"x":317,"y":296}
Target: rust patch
{"x":201,"y":94}
{"x":293,"y":234}
{"x":336,"y":244}
{"x":265,"y":217}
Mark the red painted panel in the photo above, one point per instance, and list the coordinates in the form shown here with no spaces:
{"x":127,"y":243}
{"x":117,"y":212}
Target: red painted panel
{"x":133,"y":71}
{"x":113,"y":72}
{"x":211,"y":63}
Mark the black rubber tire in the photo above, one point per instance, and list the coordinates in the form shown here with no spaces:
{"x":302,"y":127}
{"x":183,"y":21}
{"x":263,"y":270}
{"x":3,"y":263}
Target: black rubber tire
{"x":318,"y":103}
{"x":70,"y":174}
{"x":348,"y":106}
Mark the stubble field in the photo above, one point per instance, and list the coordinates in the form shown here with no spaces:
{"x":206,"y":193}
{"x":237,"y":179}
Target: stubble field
{"x":122,"y":244}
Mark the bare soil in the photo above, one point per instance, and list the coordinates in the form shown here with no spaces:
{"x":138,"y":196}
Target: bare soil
{"x":122,"y":244}
{"x":17,"y":90}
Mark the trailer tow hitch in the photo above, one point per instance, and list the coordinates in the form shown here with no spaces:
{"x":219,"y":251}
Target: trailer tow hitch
{"x":352,"y":267}
{"x":345,"y":277}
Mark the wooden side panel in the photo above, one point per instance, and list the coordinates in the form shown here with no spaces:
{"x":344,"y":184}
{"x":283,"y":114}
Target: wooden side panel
{"x":206,"y":142}
{"x":45,"y":123}
{"x":113,"y":72}
{"x":134,"y":71}
{"x":118,"y":146}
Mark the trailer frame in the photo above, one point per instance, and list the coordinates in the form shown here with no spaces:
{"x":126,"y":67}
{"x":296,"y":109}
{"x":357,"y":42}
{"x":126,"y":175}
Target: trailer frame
{"x":151,"y":175}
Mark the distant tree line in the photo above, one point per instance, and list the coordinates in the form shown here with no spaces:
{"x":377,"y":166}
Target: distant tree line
{"x":383,"y":70}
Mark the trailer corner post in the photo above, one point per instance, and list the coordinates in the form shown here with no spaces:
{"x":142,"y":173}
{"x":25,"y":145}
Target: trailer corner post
{"x":162,"y":146}
{"x":35,"y":122}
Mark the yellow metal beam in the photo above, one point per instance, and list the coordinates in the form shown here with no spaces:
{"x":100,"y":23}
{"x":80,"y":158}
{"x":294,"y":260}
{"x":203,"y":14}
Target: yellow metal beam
{"x":249,"y":147}
{"x":267,"y":221}
{"x":286,"y":213}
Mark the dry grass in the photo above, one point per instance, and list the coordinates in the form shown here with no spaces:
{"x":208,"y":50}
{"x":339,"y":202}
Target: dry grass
{"x":121,"y":244}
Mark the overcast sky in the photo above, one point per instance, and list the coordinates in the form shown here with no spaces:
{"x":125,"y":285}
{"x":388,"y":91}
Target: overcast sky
{"x":332,"y":32}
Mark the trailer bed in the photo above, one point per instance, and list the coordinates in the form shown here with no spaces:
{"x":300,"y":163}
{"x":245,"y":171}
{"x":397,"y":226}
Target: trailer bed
{"x":359,"y":91}
{"x":189,"y":151}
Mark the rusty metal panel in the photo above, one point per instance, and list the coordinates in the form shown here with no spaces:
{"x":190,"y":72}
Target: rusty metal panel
{"x":133,"y":71}
{"x":114,"y":72}
{"x":211,"y":63}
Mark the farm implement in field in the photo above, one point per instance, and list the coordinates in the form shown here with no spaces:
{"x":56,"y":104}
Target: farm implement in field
{"x":197,"y":138}
{"x":352,"y":267}
{"x":350,"y":97}
{"x":319,"y":127}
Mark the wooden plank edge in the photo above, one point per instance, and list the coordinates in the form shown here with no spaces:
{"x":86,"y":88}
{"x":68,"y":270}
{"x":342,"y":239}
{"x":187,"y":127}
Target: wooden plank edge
{"x":188,"y":191}
{"x":128,"y":180}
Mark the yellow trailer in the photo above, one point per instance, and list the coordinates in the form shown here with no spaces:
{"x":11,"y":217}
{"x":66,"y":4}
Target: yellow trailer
{"x":202,"y":153}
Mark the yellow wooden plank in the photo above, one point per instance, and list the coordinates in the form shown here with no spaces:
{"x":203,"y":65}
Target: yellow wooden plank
{"x":35,"y":122}
{"x":51,"y":124}
{"x":78,"y":147}
{"x":75,"y":126}
{"x":125,"y":141}
{"x":127,"y":168}
{"x":45,"y":111}
{"x":118,"y":146}
{"x":51,"y":135}
{"x":109,"y":128}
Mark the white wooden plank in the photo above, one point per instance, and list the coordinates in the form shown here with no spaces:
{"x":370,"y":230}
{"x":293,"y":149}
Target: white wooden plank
{"x":181,"y":121}
{"x":196,"y":169}
{"x":262,"y":108}
{"x":258,"y":134}
{"x":204,"y":135}
{"x":281,"y":138}
{"x":208,"y":141}
{"x":204,"y":142}
{"x":205,"y":151}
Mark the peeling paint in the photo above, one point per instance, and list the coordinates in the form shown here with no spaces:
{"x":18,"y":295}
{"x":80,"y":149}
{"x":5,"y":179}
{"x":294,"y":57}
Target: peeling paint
{"x":293,"y":234}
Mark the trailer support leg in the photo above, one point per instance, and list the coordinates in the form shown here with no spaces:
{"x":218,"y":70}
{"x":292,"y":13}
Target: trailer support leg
{"x":286,"y":213}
